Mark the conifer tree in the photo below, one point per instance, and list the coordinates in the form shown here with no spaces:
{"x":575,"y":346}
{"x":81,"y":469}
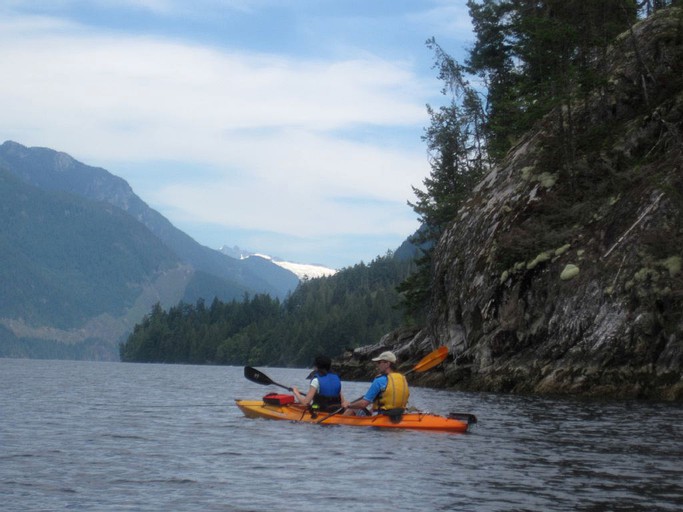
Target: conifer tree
{"x":458,"y":156}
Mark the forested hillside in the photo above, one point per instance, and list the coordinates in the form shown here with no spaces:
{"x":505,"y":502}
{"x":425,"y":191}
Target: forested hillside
{"x":558,"y":136}
{"x":327,"y":315}
{"x":560,"y":270}
{"x":86,"y":263}
{"x":84,"y":258}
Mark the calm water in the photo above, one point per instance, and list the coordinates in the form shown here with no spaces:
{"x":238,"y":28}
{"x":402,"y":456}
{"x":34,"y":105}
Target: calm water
{"x":117,"y":437}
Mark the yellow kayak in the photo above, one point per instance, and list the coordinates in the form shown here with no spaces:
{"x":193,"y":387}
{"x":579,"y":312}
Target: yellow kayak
{"x":455,"y":422}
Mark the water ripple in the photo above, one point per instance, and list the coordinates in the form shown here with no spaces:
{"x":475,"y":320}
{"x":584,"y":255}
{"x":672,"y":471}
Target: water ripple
{"x":126,"y":437}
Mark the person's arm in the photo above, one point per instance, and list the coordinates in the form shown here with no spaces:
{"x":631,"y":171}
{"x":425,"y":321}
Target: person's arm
{"x":362,"y":403}
{"x":357,"y":404}
{"x":308,"y":399}
{"x":297,"y":394}
{"x":305,"y":400}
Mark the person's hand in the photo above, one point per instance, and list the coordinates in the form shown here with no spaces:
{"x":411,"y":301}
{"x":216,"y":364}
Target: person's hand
{"x":345,"y":404}
{"x":295,"y":389}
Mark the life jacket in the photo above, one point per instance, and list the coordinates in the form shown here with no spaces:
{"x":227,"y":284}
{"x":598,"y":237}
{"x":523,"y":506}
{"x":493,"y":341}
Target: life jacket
{"x":329,"y":392}
{"x":396,"y":394}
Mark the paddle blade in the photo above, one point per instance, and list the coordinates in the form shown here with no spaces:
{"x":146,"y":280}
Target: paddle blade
{"x":256,"y":376}
{"x":261,"y":378}
{"x":431,"y":360}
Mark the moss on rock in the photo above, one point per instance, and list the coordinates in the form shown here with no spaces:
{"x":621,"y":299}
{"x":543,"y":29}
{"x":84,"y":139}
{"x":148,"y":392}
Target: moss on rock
{"x":570,"y":272}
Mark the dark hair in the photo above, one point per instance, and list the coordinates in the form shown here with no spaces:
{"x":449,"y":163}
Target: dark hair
{"x":323,"y":363}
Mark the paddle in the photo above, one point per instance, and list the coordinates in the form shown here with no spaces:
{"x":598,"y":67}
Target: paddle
{"x":261,"y":378}
{"x":426,"y":363}
{"x":430,"y":360}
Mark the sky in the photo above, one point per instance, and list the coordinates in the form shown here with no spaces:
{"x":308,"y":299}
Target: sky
{"x":285,"y":127}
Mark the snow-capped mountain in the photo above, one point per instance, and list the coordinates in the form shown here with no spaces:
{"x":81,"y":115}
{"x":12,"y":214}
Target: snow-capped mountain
{"x":302,"y":270}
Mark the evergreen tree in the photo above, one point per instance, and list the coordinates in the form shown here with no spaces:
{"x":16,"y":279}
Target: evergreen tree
{"x":327,"y":315}
{"x":458,"y":157}
{"x":531,"y":55}
{"x":492,"y":60}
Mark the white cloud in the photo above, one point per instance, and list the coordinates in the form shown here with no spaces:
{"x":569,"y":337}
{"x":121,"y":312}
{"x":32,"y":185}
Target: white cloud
{"x":281,"y":124}
{"x":129,"y":86}
{"x":305,"y":184}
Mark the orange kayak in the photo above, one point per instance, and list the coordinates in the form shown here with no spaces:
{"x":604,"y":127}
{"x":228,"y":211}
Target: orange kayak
{"x":455,"y":422}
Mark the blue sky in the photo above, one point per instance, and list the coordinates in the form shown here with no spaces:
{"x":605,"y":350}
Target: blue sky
{"x":287,"y":127}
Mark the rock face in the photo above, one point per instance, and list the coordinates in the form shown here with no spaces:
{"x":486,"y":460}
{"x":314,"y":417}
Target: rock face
{"x":563,"y":275}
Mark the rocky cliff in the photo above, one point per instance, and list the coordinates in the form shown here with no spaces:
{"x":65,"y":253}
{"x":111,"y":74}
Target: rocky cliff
{"x":562,"y":274}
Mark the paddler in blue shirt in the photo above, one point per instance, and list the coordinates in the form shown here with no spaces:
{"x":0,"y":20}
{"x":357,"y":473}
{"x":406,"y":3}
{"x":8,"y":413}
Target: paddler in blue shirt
{"x":324,"y":393}
{"x":388,"y":391}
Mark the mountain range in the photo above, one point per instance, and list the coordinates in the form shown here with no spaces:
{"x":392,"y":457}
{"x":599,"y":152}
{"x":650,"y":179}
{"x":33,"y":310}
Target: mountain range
{"x":84,"y":259}
{"x":302,"y":270}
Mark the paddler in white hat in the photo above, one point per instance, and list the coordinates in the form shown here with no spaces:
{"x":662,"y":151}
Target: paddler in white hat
{"x":388,"y":391}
